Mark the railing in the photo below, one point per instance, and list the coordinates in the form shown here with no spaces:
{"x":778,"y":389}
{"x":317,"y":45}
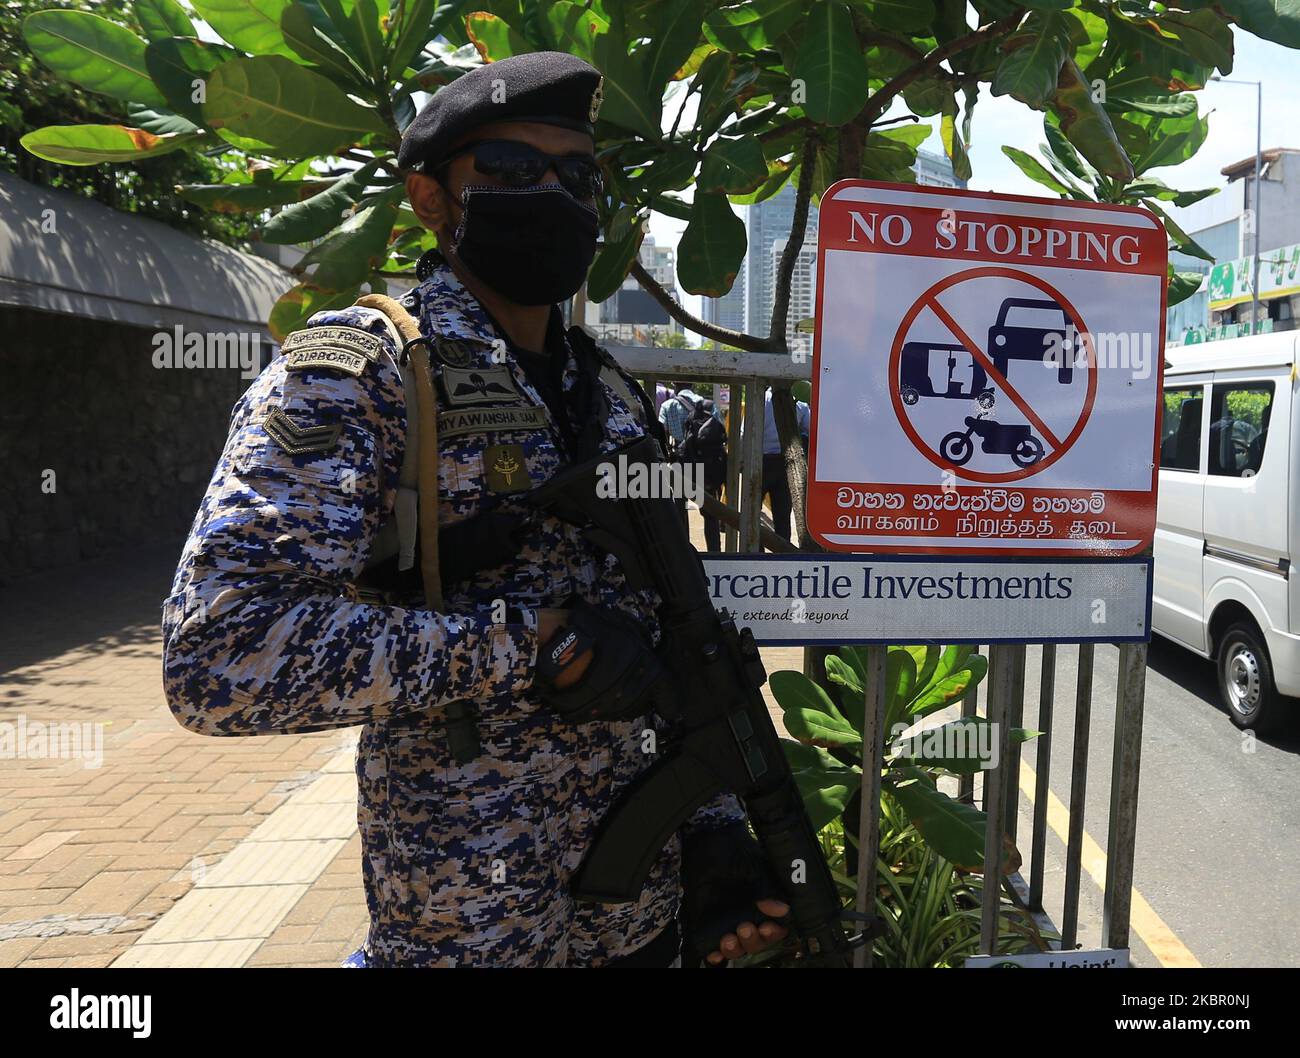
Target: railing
{"x":749,"y":374}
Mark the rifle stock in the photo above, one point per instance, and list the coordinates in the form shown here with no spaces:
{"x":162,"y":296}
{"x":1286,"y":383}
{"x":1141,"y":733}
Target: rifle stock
{"x":728,"y":741}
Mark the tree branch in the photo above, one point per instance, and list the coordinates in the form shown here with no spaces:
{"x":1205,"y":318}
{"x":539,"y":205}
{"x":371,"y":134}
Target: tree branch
{"x":877,"y":103}
{"x":748,"y":342}
{"x":776,"y":335}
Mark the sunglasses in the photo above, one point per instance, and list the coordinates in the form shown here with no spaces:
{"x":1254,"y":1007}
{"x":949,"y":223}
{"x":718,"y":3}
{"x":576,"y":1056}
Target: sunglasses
{"x":518,"y":164}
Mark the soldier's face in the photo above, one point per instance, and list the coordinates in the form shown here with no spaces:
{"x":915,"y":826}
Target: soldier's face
{"x":438,"y":207}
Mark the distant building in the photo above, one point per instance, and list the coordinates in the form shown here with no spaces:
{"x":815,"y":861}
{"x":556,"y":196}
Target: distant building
{"x":935,"y":170}
{"x":1223,"y":226}
{"x":728,"y":310}
{"x":803,"y":292}
{"x":630,"y":311}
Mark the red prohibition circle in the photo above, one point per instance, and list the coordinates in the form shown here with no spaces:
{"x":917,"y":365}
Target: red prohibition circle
{"x":896,"y":353}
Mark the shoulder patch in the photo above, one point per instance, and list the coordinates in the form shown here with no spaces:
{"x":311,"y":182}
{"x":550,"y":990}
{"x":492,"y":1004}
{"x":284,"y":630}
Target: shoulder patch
{"x":346,"y":349}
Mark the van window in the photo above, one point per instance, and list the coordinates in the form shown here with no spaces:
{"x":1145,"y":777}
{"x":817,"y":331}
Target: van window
{"x":1239,"y":414}
{"x":1180,"y":440}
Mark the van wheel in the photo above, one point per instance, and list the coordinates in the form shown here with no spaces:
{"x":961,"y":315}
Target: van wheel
{"x":1246,"y":680}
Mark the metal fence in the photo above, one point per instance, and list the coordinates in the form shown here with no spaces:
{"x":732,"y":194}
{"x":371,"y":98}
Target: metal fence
{"x":748,"y":375}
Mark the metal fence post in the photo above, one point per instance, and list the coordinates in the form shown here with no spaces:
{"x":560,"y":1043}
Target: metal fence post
{"x":1121,"y":831}
{"x":1042,"y":784}
{"x":1004,"y":660}
{"x":1015,"y":717}
{"x":873,"y":752}
{"x":1078,"y":797}
{"x":751,"y":483}
{"x":732,"y":535}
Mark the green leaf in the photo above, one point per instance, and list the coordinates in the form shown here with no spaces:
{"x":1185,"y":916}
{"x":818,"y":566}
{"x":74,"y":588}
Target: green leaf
{"x":163,"y":18}
{"x":1172,"y":140}
{"x":575,"y":28}
{"x":279,"y":102}
{"x":809,"y":714}
{"x":250,"y":25}
{"x":1030,"y":70}
{"x":830,"y":65}
{"x":1184,"y":242}
{"x":180,"y":67}
{"x":297,"y":305}
{"x":320,"y":214}
{"x":1203,"y":35}
{"x":909,"y":16}
{"x":94,"y":53}
{"x":751,"y":27}
{"x":249,"y":198}
{"x":954,"y":747}
{"x":159,"y":122}
{"x":611,"y":265}
{"x":959,"y":669}
{"x":825,"y":784}
{"x":712,"y":247}
{"x":952,"y":142}
{"x":676,"y":32}
{"x":357,"y":247}
{"x":628,"y":102}
{"x":1275,"y":20}
{"x":1086,"y":124}
{"x":93,"y":144}
{"x":359,"y":25}
{"x":494,"y":37}
{"x":420,"y":24}
{"x":735,"y":166}
{"x":1182,"y":285}
{"x":953,"y":830}
{"x":1035,"y":170}
{"x":900,"y":685}
{"x":306,"y":41}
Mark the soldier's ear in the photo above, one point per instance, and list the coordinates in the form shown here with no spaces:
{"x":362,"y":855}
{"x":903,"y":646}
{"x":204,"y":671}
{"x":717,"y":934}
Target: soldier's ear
{"x":428,"y":200}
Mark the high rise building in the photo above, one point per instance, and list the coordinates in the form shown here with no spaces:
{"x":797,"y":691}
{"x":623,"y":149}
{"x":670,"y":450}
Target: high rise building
{"x":728,"y":310}
{"x":628,"y":314}
{"x":935,"y":170}
{"x":803,"y":292}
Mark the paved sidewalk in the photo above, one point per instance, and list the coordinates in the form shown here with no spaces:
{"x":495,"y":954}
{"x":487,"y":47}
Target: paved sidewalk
{"x":126,"y":840}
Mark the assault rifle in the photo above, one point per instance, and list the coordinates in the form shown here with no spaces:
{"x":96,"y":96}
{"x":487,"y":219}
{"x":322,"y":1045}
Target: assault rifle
{"x":728,"y":742}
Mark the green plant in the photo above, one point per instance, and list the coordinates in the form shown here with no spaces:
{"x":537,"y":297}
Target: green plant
{"x":930,"y":863}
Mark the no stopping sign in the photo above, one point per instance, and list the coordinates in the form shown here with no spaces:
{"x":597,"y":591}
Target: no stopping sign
{"x":986,"y":373}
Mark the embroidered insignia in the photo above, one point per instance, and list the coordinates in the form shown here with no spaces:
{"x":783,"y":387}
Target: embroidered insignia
{"x":597,"y":97}
{"x":507,"y":468}
{"x":351,"y":339}
{"x":452,"y":352}
{"x":481,"y":420}
{"x":296,"y":439}
{"x":326,"y":356}
{"x":479,"y":385}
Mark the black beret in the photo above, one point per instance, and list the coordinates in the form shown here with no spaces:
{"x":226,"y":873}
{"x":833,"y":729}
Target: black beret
{"x":551,"y":87}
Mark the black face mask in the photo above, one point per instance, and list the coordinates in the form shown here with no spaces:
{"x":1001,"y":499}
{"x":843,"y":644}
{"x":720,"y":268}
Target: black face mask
{"x":533,"y":245}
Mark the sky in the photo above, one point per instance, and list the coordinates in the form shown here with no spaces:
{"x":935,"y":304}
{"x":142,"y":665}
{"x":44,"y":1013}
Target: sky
{"x":1001,"y":120}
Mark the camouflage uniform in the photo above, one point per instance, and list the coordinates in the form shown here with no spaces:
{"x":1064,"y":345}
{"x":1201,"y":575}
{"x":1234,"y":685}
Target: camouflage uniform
{"x":265,"y":631}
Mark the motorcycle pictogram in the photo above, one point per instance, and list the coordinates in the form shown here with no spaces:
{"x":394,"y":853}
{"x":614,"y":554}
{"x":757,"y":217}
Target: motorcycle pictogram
{"x":1016,"y":441}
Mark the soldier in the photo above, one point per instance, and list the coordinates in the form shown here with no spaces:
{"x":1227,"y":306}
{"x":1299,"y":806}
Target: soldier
{"x":484,"y":764}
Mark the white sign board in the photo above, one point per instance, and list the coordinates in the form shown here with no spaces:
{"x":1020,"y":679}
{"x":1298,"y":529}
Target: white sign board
{"x":986,"y":375}
{"x":1097,"y":959}
{"x":843,"y":599}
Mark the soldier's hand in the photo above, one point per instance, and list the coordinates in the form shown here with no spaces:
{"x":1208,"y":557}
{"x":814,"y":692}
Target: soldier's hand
{"x":750,"y":939}
{"x":550,"y":621}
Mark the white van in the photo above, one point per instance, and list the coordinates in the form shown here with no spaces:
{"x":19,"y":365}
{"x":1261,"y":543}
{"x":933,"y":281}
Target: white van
{"x":1227,"y":525}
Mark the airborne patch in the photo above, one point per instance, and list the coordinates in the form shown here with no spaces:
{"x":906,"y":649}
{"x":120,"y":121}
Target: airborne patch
{"x":480,"y":420}
{"x":479,"y":385}
{"x":296,"y":439}
{"x":326,"y":356}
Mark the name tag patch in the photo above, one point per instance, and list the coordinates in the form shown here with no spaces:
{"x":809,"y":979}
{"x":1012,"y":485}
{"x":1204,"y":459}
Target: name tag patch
{"x":507,"y":468}
{"x":479,"y":385}
{"x":480,"y":420}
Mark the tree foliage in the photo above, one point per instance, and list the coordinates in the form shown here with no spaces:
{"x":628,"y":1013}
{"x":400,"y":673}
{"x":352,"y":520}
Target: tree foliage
{"x":707,"y":106}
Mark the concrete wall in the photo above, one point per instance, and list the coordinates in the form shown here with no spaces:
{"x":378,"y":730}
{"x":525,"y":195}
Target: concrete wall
{"x":131,"y":446}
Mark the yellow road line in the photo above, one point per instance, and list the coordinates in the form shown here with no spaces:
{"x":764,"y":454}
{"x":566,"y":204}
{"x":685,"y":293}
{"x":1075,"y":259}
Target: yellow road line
{"x":1143,"y":920}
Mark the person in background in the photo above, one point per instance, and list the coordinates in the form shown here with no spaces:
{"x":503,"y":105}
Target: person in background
{"x":775,"y":484}
{"x":662,"y":393}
